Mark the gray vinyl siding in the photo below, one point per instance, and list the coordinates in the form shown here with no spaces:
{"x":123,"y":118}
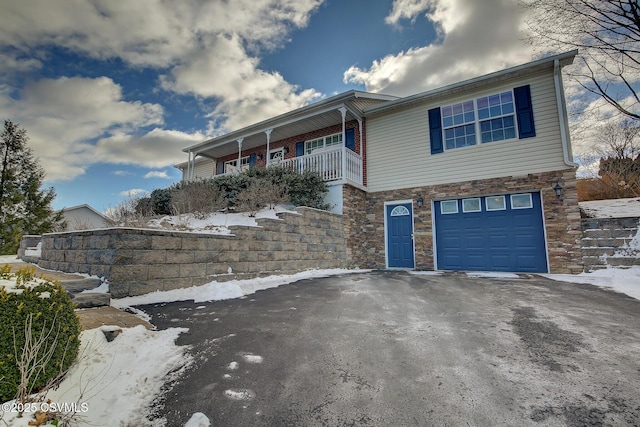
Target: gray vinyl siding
{"x":205,"y":169}
{"x":399,"y":153}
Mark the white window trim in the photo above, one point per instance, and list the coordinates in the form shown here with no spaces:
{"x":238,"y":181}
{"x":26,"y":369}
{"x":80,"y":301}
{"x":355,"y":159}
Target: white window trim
{"x":244,"y":164}
{"x":477,"y":120}
{"x":522,"y":207}
{"x":324,"y":147}
{"x":276,"y":160}
{"x":448,"y":201}
{"x":504,"y":204}
{"x":474,"y":210}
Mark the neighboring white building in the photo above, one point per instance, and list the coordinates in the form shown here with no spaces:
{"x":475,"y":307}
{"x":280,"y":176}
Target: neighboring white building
{"x":84,"y":217}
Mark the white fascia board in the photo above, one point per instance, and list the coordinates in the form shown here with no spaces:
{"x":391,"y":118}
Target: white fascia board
{"x":288,"y":118}
{"x":563,"y":59}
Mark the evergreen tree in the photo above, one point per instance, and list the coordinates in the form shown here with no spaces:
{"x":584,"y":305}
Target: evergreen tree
{"x":25,"y":208}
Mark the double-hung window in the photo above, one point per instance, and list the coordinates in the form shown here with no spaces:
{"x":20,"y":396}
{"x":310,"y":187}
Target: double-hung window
{"x":232,"y":165}
{"x":323,"y":143}
{"x":486,"y":119}
{"x":497,"y":117}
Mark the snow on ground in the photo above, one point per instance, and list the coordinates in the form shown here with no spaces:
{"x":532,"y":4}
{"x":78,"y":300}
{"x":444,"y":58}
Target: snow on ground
{"x":216,"y":223}
{"x":615,"y":208}
{"x":216,"y":291}
{"x":119,"y":381}
{"x":115,"y":383}
{"x":626,"y":281}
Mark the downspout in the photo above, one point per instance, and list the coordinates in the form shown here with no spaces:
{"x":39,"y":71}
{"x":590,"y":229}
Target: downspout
{"x":268,"y":132}
{"x":562,"y":114}
{"x":343,"y":111}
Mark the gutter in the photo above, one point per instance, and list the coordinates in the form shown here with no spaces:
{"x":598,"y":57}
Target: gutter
{"x":562,"y":114}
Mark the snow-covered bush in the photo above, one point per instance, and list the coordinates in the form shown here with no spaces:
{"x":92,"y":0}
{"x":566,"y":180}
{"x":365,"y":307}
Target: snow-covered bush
{"x":39,"y":333}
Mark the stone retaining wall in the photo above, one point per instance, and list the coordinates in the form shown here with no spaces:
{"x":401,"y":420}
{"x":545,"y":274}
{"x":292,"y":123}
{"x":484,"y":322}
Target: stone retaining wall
{"x":139,"y":261}
{"x":610,"y":242}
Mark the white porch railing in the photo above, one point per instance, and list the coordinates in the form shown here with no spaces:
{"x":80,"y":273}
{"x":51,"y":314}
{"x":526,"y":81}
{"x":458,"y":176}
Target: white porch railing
{"x":332,"y":165}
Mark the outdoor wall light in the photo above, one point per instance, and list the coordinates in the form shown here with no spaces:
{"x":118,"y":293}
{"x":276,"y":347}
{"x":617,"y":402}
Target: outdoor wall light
{"x":420,"y":201}
{"x":286,"y":150}
{"x":558,"y":189}
{"x":260,"y":156}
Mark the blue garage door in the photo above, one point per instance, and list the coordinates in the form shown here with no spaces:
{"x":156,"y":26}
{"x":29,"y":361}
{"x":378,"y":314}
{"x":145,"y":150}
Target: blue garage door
{"x":495,"y":233}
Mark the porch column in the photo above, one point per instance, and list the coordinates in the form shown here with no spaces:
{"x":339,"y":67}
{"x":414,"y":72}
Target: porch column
{"x":268,"y":133}
{"x":187,"y":175}
{"x":360,"y":144}
{"x":343,"y":110}
{"x":239,"y":154}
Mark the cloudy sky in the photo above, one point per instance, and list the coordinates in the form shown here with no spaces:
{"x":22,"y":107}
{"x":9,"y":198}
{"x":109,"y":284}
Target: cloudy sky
{"x":110,"y":91}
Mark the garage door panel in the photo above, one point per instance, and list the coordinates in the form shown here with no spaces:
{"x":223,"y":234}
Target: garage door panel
{"x":500,"y":262}
{"x":476,"y":261}
{"x":504,"y":240}
{"x":474,"y":242}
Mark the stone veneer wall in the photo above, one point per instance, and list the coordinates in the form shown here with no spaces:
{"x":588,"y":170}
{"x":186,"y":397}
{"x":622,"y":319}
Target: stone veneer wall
{"x":139,"y":261}
{"x":562,"y":218}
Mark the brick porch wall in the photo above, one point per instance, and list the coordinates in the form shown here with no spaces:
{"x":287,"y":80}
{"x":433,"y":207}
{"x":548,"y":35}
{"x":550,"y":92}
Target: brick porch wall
{"x":562,"y":218}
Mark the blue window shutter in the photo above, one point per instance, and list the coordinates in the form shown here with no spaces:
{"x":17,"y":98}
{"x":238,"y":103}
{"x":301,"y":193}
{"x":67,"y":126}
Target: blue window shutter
{"x":299,"y":148}
{"x":350,"y":134}
{"x":220,"y":167}
{"x":252,"y":160}
{"x":435,"y":131}
{"x":524,"y":112}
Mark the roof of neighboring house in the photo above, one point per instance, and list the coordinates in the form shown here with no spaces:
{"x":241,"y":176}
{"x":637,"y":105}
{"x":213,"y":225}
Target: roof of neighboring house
{"x":84,"y":206}
{"x":312,"y":117}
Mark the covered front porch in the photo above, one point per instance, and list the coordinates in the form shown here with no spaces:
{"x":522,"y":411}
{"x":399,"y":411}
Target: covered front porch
{"x":326,"y":137}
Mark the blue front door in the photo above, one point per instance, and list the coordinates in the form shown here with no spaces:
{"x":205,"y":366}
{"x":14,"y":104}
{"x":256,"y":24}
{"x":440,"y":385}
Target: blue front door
{"x":399,"y":235}
{"x":491,"y":233}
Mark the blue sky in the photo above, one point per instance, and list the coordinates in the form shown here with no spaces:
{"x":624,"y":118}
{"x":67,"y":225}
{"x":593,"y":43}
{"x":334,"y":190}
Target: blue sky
{"x":110,"y":91}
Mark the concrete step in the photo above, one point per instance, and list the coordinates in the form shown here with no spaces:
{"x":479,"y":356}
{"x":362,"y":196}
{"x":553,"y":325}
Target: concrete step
{"x":623,"y":261}
{"x":595,"y":251}
{"x":610,"y":233}
{"x":75,"y":287}
{"x":609,"y":242}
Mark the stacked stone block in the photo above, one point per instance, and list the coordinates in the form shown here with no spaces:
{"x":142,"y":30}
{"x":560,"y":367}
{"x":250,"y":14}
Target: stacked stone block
{"x":609,"y":242}
{"x":139,"y":261}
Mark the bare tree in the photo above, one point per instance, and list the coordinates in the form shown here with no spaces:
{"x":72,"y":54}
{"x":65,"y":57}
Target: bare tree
{"x":607,"y":36}
{"x":614,"y":162}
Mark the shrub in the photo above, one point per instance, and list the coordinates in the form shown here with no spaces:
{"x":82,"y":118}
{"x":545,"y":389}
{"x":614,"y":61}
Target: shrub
{"x":39,"y":330}
{"x":260,"y":194}
{"x":161,"y":201}
{"x":199,"y":197}
{"x":303,"y":189}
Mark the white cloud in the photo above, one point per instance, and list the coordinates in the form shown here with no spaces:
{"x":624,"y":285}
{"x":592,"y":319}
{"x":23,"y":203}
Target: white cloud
{"x":155,"y":149}
{"x":146,"y":32}
{"x":121,"y":173}
{"x":476,"y":38}
{"x":203,"y":46}
{"x":157,"y":174}
{"x":245,"y":93}
{"x":63,"y":115}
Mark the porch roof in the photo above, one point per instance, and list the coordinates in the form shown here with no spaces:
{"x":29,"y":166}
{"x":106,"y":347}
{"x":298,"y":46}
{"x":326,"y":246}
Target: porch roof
{"x":312,"y":117}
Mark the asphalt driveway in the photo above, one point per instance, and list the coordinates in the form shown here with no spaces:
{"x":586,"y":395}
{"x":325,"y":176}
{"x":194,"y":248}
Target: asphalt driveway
{"x":398,"y":349}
